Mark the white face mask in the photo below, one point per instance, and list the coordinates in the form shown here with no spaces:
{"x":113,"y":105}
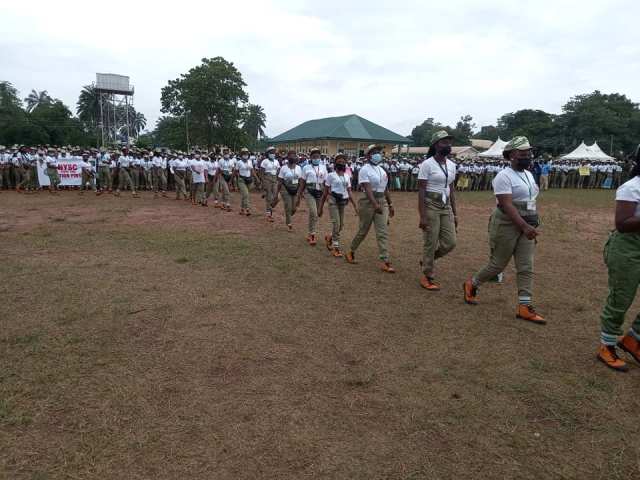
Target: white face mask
{"x":271,"y":156}
{"x":245,"y":158}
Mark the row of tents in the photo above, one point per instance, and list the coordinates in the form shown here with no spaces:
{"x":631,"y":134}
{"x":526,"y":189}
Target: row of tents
{"x":583,"y":152}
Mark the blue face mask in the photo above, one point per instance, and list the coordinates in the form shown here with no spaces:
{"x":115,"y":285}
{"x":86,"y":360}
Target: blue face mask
{"x":315,"y":161}
{"x":376,"y":158}
{"x":271,"y":156}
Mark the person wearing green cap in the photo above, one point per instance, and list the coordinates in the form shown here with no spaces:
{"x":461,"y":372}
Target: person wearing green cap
{"x":622,"y":256}
{"x":512,"y":229}
{"x":436,"y":206}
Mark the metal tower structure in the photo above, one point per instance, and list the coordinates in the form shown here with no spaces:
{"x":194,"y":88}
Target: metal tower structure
{"x":115,"y":97}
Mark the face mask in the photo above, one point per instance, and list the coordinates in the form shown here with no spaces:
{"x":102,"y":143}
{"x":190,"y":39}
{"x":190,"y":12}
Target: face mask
{"x":315,"y":161}
{"x":271,"y":156}
{"x":245,"y":158}
{"x":226,"y":157}
{"x":376,"y":158}
{"x":444,"y":150}
{"x":524,"y":162}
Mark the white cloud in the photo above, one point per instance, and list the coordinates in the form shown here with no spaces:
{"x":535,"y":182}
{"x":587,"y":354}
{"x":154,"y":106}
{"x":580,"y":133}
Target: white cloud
{"x":395,"y":63}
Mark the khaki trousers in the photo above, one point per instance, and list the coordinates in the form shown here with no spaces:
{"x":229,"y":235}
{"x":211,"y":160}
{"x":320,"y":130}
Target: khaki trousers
{"x":124,"y":180}
{"x":245,"y":203}
{"x":544,"y":182}
{"x":289,"y":202}
{"x":87,"y":179}
{"x":224,"y":189}
{"x":312,"y":204}
{"x":506,"y":240}
{"x":270,"y":185}
{"x":368,"y":216}
{"x":336,"y":213}
{"x":178,"y":176}
{"x":198,"y":192}
{"x":622,"y":256}
{"x":439,"y":238}
{"x":105,"y":178}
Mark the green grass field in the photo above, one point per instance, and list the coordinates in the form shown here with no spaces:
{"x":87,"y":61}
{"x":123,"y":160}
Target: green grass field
{"x":149,"y":339}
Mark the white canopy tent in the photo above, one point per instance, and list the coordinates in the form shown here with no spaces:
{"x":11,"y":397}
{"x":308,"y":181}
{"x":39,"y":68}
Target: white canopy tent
{"x":495,"y":151}
{"x":591,"y":153}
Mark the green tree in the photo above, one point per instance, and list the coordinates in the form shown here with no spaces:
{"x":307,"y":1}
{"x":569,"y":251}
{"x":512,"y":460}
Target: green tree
{"x":213,"y":95}
{"x":602,"y":118}
{"x":463,"y":131}
{"x":488,"y":132}
{"x":36,"y":98}
{"x":170,"y":132}
{"x":421,"y":134}
{"x":62,"y":128}
{"x":254,"y":121}
{"x":88,"y":106}
{"x":15,"y":124}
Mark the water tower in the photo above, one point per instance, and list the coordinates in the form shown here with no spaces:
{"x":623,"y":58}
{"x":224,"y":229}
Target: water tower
{"x":115,"y":97}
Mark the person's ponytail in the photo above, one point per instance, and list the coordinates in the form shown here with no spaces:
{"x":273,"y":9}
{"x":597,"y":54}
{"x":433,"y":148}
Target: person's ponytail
{"x":635,"y":171}
{"x":432,"y":151}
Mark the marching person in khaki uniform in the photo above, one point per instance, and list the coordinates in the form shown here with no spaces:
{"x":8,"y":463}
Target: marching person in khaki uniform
{"x":103,"y":161}
{"x":288,"y":186}
{"x":225,"y":178}
{"x":374,"y":207}
{"x":512,"y":229}
{"x":338,"y":190}
{"x":52,"y":171}
{"x":270,"y":167}
{"x":622,"y":256}
{"x":178,"y":169}
{"x":312,"y":184}
{"x":87,"y":175}
{"x":437,"y":206}
{"x":124,"y":173}
{"x":243,"y":169}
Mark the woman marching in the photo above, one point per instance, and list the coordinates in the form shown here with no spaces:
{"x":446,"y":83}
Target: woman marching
{"x":622,"y":256}
{"x":288,"y":186}
{"x":373,"y":207}
{"x":512,"y":229}
{"x":244,"y":170}
{"x":338,"y":190}
{"x":225,"y":177}
{"x":312,"y":182}
{"x":436,"y":206}
{"x":270,"y":166}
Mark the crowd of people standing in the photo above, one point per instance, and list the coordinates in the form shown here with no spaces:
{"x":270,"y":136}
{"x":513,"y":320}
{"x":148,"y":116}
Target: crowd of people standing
{"x":207,"y":178}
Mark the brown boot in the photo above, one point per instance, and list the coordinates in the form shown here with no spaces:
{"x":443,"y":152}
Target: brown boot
{"x":350,"y":257}
{"x":387,"y":267}
{"x":629,"y":344}
{"x":607,"y":354}
{"x":428,"y":284}
{"x":470,"y":292}
{"x":528,"y":313}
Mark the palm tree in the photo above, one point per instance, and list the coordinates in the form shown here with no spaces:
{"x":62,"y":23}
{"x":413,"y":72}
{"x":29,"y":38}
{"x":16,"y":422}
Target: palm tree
{"x":36,"y":98}
{"x":138,"y":122}
{"x":88,"y":105}
{"x":254,"y":121}
{"x":9,"y":95}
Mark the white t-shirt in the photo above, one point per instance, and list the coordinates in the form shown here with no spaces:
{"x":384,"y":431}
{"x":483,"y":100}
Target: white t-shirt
{"x":226,"y":165}
{"x":339,"y":184}
{"x":291,"y":176}
{"x":270,"y":166}
{"x":438,"y":177}
{"x":520,"y":185}
{"x":375,"y":176}
{"x":630,"y":192}
{"x":244,"y":168}
{"x":198,"y":168}
{"x":314,"y":176}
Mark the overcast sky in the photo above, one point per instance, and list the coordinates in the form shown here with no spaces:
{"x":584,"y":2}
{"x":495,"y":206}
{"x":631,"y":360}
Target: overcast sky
{"x":393,"y":62}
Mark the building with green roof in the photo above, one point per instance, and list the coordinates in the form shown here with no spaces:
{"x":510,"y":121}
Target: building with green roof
{"x":349,"y":134}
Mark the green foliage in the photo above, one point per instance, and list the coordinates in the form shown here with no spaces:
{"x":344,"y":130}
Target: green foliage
{"x":45,"y":121}
{"x":488,"y":132}
{"x":145,"y":141}
{"x":421,"y":135}
{"x":213,"y":96}
{"x":254,"y":121}
{"x":170,"y":132}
